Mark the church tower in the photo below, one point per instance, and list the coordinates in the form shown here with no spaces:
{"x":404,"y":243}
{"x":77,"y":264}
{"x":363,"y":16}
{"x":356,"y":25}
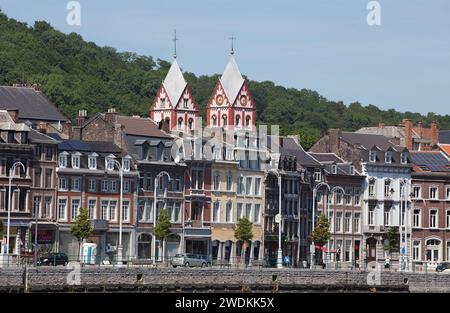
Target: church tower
{"x":174,"y":107}
{"x":231,"y":104}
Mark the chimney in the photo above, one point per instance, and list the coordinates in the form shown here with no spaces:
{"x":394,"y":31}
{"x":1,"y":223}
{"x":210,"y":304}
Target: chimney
{"x":381,"y":124}
{"x":407,"y":123}
{"x":335,"y":138}
{"x":110,"y":116}
{"x":14,"y":113}
{"x":81,"y":118}
{"x":42,"y":127}
{"x":420,"y":129}
{"x":434,"y":133}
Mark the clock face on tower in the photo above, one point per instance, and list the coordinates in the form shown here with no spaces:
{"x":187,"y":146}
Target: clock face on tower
{"x":219,"y":99}
{"x":243,"y":100}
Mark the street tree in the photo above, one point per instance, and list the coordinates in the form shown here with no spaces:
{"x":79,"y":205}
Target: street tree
{"x":391,"y":243}
{"x":321,"y":233}
{"x":243,"y":231}
{"x":81,"y":229}
{"x":162,"y":229}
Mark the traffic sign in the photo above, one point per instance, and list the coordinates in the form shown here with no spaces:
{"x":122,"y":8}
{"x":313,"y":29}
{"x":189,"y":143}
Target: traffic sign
{"x":278,"y":218}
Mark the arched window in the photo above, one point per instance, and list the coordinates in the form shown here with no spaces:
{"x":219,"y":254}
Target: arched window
{"x":224,"y":120}
{"x":247,"y":120}
{"x":238,"y":120}
{"x":180,"y":122}
{"x":214,"y":120}
{"x":191,"y":123}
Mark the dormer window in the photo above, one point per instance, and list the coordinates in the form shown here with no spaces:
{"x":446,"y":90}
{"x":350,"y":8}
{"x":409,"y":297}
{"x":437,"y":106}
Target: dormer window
{"x":76,"y":160}
{"x":373,"y":156}
{"x":404,"y":158}
{"x":388,"y":157}
{"x":126,"y":163}
{"x":334,"y":169}
{"x":92,"y":161}
{"x":109,"y":163}
{"x":63,"y":159}
{"x":317,"y":175}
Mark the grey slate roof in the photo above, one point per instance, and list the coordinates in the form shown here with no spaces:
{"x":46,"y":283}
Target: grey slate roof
{"x":326,"y":157}
{"x":31,"y":104}
{"x":444,"y":136}
{"x":291,"y":147}
{"x":38,"y":137}
{"x":430,"y":161}
{"x":367,"y":140}
{"x":88,"y":146}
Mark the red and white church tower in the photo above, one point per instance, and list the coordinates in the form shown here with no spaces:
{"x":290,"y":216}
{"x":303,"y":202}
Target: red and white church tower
{"x":174,"y":107}
{"x":231,"y":104}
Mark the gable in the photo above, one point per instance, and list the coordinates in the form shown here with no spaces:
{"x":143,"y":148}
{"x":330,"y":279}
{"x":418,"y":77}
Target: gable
{"x":186,"y":101}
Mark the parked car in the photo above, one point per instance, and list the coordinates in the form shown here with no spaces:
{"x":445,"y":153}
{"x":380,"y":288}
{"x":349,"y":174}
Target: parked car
{"x":443,"y":267}
{"x":54,"y":259}
{"x":190,"y":260}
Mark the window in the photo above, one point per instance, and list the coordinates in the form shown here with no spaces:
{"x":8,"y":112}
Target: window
{"x":347,"y":222}
{"x":112,"y":210}
{"x":248,"y":211}
{"x":387,"y":188}
{"x":92,"y":185}
{"x":257,"y":186}
{"x":387,"y":215}
{"x":348,"y":197}
{"x":434,"y":193}
{"x":357,"y":197}
{"x":229,"y":182}
{"x":317,"y":175}
{"x":104,"y":186}
{"x":417,"y":218}
{"x":216,"y":212}
{"x":62,"y":209}
{"x":352,"y":170}
{"x":371,"y":216}
{"x":238,"y":212}
{"x":62,"y":160}
{"x":248,"y":189}
{"x":37,"y":206}
{"x":37,"y":151}
{"x":191,"y":124}
{"x":216,"y":181}
{"x":372,"y":189}
{"x":238,"y":120}
{"x":229,"y":212}
{"x":240,"y":185}
{"x":148,"y":182}
{"x":416,"y":250}
{"x":356,"y":222}
{"x":338,"y":197}
{"x":92,"y":204}
{"x":416,"y":192}
{"x":373,"y":156}
{"x":92,"y":162}
{"x":433,"y":218}
{"x":63,"y":183}
{"x":334,"y":169}
{"x":48,"y":153}
{"x":76,"y":184}
{"x":37,"y":177}
{"x":75,"y":161}
{"x":338,"y":227}
{"x":48,"y":178}
{"x":388,"y":157}
{"x":177,"y":212}
{"x":126,"y":164}
{"x":113,"y":186}
{"x":404,"y":158}
{"x":256,"y":213}
{"x":75,"y":208}
{"x":126,"y":186}
{"x":447,"y":193}
{"x":180,"y":122}
{"x":448,"y":250}
{"x":125,"y":210}
{"x":447,"y":218}
{"x":47,"y":207}
{"x":109,"y":163}
{"x":104,"y":209}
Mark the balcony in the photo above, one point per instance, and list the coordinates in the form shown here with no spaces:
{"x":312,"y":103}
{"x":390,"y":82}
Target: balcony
{"x":99,"y":225}
{"x":373,"y":229}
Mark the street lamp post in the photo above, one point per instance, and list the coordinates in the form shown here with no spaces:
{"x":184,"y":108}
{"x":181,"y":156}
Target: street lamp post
{"x":154,"y":213}
{"x":321,"y":184}
{"x":404,"y":226}
{"x":120,"y":247}
{"x":11,"y":171}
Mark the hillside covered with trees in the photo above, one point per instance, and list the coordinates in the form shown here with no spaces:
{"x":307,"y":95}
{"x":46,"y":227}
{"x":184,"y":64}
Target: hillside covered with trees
{"x":76,"y":74}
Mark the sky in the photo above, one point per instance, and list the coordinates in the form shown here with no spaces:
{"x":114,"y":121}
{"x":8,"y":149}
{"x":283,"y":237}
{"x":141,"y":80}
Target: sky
{"x":323,"y":45}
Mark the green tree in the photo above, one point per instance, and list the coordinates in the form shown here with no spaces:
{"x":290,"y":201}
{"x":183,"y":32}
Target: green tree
{"x":81,"y":229}
{"x":162,"y":229}
{"x":2,"y":228}
{"x":244,"y":232}
{"x":391,"y":243}
{"x":321,"y":233}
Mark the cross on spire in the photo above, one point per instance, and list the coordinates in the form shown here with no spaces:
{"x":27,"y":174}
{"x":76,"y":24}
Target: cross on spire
{"x":175,"y":39}
{"x":232,"y":38}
